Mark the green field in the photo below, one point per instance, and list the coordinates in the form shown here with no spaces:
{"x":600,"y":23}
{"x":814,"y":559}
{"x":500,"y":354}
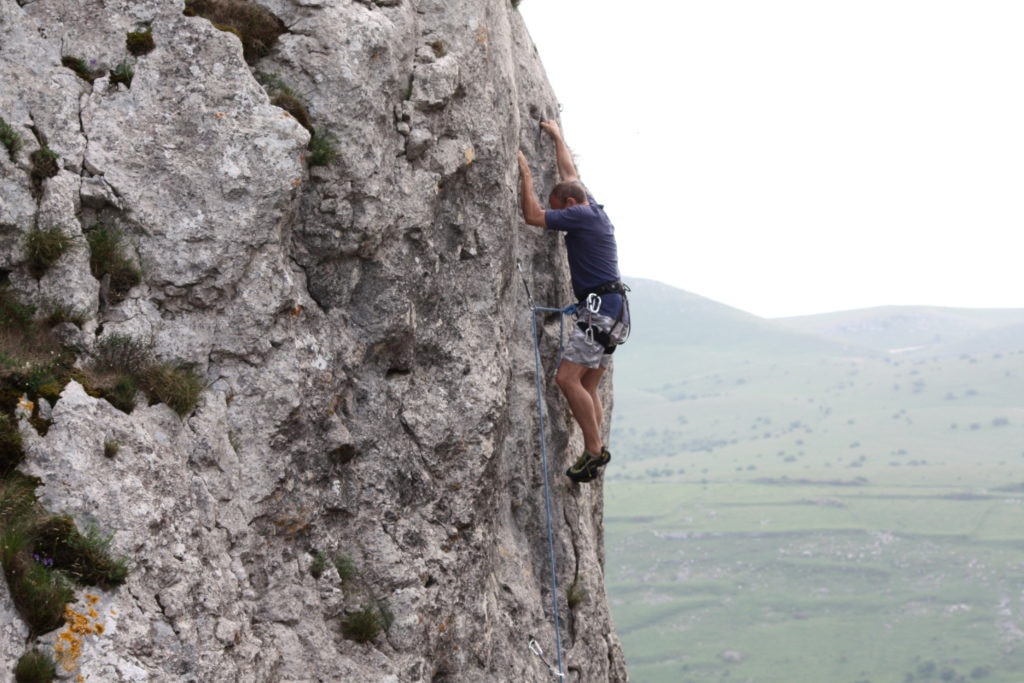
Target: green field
{"x":816,"y":583}
{"x":787,"y":509}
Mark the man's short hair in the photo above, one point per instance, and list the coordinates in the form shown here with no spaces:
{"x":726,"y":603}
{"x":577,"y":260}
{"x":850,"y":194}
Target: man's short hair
{"x":570,"y":188}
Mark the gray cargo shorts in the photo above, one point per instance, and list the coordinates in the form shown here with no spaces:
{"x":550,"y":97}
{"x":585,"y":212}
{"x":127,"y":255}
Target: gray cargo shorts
{"x":584,"y":350}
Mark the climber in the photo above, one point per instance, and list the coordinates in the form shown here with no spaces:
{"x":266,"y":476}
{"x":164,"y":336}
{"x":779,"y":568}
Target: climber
{"x":602,"y":314}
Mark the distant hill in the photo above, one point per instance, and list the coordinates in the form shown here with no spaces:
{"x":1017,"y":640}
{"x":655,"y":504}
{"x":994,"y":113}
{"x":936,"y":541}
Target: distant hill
{"x":667,"y":315}
{"x":677,"y":333}
{"x":699,"y":376}
{"x":918,"y":328}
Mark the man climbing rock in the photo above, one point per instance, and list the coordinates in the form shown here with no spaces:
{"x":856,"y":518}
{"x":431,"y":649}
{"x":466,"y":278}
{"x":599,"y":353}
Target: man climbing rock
{"x":602,"y":312}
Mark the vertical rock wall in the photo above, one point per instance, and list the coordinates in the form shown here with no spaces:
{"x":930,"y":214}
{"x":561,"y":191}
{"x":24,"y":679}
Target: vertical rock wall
{"x":362,"y":328}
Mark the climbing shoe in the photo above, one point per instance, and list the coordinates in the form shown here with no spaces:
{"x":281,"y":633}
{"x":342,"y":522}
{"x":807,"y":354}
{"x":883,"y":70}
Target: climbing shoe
{"x":587,"y":466}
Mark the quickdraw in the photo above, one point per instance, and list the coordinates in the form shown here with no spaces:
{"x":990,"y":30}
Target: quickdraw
{"x":536,"y":649}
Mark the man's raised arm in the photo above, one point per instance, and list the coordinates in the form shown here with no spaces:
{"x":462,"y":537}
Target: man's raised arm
{"x":563,"y":157}
{"x":533,"y":212}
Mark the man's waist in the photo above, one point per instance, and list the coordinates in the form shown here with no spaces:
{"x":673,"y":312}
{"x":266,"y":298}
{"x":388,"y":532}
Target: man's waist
{"x":610,"y":287}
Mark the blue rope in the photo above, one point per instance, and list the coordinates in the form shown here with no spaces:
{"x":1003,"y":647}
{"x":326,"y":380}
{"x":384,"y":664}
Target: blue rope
{"x":544,"y":464}
{"x":568,"y":310}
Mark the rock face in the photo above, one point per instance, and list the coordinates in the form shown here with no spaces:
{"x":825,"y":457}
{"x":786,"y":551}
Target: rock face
{"x":361,"y":326}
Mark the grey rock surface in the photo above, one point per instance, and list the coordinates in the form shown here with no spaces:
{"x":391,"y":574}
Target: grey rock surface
{"x":361,"y":326}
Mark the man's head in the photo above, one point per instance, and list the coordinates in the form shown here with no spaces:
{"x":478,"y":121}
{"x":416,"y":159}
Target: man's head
{"x":567,"y":193}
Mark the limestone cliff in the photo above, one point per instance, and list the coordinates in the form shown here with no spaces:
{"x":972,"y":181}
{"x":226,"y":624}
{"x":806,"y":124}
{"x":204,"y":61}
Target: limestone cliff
{"x":367,"y":435}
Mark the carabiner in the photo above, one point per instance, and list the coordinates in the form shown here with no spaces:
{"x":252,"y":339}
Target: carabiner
{"x":593,"y":303}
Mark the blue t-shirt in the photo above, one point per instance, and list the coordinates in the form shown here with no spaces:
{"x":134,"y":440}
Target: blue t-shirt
{"x":592,"y":251}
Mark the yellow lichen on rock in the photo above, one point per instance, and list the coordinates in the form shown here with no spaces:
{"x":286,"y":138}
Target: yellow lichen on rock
{"x":68,"y":646}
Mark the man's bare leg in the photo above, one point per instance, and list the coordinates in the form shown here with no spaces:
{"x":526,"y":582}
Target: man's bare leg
{"x":579,"y":386}
{"x":591,"y":380}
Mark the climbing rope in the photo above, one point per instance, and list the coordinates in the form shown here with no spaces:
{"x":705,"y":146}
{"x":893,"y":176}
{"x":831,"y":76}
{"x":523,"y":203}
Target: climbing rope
{"x":534,"y":646}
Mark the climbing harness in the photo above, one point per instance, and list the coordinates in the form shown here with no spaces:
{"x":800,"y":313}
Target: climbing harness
{"x":534,"y":646}
{"x":590,"y":305}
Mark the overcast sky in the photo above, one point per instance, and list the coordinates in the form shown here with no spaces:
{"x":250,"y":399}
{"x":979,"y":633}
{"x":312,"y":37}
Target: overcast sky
{"x":801,"y":156}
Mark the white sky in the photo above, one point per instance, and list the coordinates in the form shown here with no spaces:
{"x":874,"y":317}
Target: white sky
{"x":801,"y":156}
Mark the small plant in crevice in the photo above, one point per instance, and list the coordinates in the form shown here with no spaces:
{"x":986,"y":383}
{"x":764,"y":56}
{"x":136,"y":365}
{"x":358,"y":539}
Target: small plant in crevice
{"x":123,"y":354}
{"x":281,"y":95}
{"x":180,"y":387}
{"x":346,"y":568}
{"x":35,"y":666}
{"x":342,"y":564}
{"x":576,"y":595}
{"x":322,"y":149}
{"x":85,"y":557}
{"x":439,"y":47}
{"x":322,"y":145}
{"x":111,"y":448}
{"x":367,"y":616}
{"x":366,"y":623}
{"x":43,"y":247}
{"x":140,"y":42}
{"x":122,"y":73}
{"x":17,"y":497}
{"x":38,"y":593}
{"x":58,"y":313}
{"x":318,"y":565}
{"x":256,"y":26}
{"x":81,"y":69}
{"x":44,"y":165}
{"x":11,"y":453}
{"x":10,"y":139}
{"x":121,"y":394}
{"x":109,"y":261}
{"x":15,"y":317}
{"x":129,"y":367}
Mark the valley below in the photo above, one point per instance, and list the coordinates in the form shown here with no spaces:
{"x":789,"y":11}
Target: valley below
{"x":833,"y":499}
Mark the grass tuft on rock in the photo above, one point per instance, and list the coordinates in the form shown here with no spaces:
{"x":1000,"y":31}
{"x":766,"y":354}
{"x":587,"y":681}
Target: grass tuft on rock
{"x":131,"y":367}
{"x":43,"y":247}
{"x":257,"y":27}
{"x":365,"y":623}
{"x":81,"y":69}
{"x":43,"y":165}
{"x":86,"y":558}
{"x":322,"y":151}
{"x":38,"y":593}
{"x":10,"y":139}
{"x":35,"y":666}
{"x":346,"y":568}
{"x":11,"y":453}
{"x":318,"y":565}
{"x":108,"y":257}
{"x":141,"y":42}
{"x":122,"y":73}
{"x":281,"y":95}
{"x":177,"y":386}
